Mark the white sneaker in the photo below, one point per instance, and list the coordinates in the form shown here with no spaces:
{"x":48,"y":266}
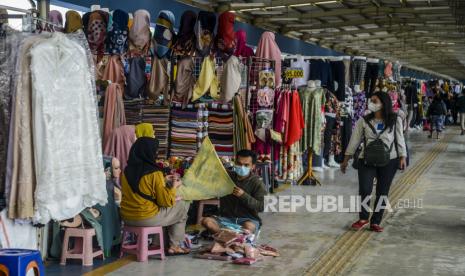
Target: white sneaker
{"x":318,"y":169}
{"x":332,"y":163}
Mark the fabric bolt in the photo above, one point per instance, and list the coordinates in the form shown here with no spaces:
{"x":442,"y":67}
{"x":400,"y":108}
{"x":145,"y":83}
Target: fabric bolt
{"x":338,"y":71}
{"x":296,"y":120}
{"x":320,"y":69}
{"x":73,"y":22}
{"x":242,"y":50}
{"x":120,"y":143}
{"x":231,"y":79}
{"x":185,"y":41}
{"x":204,"y":29}
{"x":358,"y":68}
{"x":114,"y":115}
{"x":207,"y":80}
{"x":20,"y":176}
{"x":312,"y":100}
{"x":164,"y":33}
{"x":71,"y":86}
{"x":371,"y":75}
{"x":159,"y":79}
{"x":305,"y":66}
{"x":117,"y":36}
{"x":139,"y":34}
{"x":185,"y":81}
{"x":268,"y":49}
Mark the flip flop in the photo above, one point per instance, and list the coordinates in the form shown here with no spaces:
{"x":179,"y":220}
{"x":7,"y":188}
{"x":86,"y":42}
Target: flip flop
{"x":177,"y":253}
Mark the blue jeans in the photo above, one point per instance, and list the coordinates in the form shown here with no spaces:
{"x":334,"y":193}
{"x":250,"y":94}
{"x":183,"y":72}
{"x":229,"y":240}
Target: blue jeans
{"x":224,"y":221}
{"x":437,"y":122}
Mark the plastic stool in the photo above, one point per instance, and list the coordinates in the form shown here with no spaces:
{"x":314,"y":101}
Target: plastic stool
{"x":83,"y":248}
{"x":20,"y":261}
{"x":202,"y":203}
{"x":141,"y":248}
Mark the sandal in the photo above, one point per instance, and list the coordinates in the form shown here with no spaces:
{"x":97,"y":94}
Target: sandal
{"x":176,"y":251}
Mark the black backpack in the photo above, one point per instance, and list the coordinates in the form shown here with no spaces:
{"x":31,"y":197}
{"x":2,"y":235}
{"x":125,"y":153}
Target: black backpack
{"x":377,"y":153}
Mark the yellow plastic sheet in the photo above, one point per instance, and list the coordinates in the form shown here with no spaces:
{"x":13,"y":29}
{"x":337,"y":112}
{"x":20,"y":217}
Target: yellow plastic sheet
{"x":206,"y":178}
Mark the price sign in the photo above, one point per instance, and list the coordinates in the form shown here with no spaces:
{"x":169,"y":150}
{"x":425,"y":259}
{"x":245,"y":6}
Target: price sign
{"x":294,"y":73}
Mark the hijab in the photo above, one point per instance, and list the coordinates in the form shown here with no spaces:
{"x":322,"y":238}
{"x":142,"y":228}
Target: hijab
{"x":225,"y":33}
{"x":267,"y":48}
{"x":145,"y":130}
{"x":204,"y":29}
{"x":95,"y":27}
{"x":141,"y":161}
{"x":73,"y":22}
{"x":164,"y":32}
{"x":186,"y":37}
{"x":241,"y":47}
{"x":55,"y":18}
{"x":139,"y":34}
{"x":117,"y":39}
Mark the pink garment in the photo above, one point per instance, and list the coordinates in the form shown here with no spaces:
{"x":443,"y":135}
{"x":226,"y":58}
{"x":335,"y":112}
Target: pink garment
{"x":423,"y":88}
{"x":242,"y":49}
{"x":114,"y":71}
{"x":395,"y":100}
{"x":120,"y":143}
{"x":113,"y":110}
{"x":282,"y":118}
{"x":296,"y":120}
{"x":267,"y":48}
{"x":388,"y":70}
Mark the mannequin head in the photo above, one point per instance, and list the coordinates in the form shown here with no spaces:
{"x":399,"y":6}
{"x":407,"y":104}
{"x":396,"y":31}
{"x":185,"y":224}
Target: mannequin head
{"x":116,"y":167}
{"x":318,"y":83}
{"x":311,"y":84}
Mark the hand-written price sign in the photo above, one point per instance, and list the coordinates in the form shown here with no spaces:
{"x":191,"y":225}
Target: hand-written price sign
{"x":294,"y":73}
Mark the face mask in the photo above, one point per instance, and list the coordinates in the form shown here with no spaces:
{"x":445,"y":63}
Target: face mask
{"x":374,"y":107}
{"x":242,"y":170}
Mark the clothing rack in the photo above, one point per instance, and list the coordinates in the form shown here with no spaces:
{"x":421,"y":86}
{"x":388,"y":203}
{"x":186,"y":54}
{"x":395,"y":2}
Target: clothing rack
{"x":31,"y":13}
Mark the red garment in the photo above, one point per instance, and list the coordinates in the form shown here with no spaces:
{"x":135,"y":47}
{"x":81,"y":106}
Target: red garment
{"x":296,"y":120}
{"x":242,"y":50}
{"x":226,"y":29}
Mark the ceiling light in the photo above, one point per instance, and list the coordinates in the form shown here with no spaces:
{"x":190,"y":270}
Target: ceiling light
{"x":283,"y":19}
{"x":253,"y":9}
{"x":275,"y":7}
{"x":326,"y":2}
{"x":246,"y":5}
{"x":266,"y":12}
{"x":300,"y":5}
{"x":431,"y":8}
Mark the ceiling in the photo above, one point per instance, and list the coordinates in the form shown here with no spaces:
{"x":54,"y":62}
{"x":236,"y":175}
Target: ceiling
{"x":427,"y":34}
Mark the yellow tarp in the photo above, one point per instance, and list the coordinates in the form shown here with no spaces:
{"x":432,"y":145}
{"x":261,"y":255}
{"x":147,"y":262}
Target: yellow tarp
{"x":206,"y":178}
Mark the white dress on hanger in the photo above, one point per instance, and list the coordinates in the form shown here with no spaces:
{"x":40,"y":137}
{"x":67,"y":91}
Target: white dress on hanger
{"x":67,"y":144}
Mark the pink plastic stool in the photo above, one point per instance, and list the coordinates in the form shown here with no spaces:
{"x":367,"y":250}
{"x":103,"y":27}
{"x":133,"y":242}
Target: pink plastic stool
{"x":83,"y":248}
{"x":141,"y":248}
{"x":202,"y":203}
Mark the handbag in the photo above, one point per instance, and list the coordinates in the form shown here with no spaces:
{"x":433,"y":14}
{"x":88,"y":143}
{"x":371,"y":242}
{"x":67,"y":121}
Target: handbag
{"x":377,"y":153}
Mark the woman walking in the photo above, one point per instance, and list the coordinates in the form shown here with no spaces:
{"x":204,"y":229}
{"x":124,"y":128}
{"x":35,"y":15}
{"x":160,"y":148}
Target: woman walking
{"x":383,"y":152}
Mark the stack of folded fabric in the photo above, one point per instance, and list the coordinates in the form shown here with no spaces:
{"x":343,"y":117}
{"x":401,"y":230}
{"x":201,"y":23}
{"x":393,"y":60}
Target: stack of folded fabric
{"x":132,"y":110}
{"x":220,"y":129}
{"x":186,"y":130}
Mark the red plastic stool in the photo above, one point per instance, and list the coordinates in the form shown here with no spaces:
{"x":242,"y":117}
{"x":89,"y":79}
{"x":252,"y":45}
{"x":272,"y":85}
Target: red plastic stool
{"x":141,"y":248}
{"x":20,"y":261}
{"x":83,"y":248}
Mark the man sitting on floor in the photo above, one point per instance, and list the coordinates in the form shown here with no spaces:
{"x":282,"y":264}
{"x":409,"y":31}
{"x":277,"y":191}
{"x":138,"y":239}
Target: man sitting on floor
{"x":247,"y":200}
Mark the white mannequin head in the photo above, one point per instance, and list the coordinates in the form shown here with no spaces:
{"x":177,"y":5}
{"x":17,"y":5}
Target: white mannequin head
{"x":311,"y":84}
{"x":318,"y":83}
{"x":116,"y":167}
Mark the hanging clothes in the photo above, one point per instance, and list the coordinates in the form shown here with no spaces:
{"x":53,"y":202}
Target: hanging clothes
{"x":139,"y":34}
{"x":185,"y":81}
{"x":159,"y":79}
{"x":120,"y":143}
{"x":242,"y":50}
{"x":117,"y":39}
{"x":113,"y":114}
{"x":114,"y":71}
{"x":63,"y":94}
{"x":268,"y":48}
{"x":204,"y":29}
{"x":231,"y":79}
{"x":312,"y":100}
{"x":296,"y":120}
{"x":185,"y":41}
{"x":73,"y":22}
{"x":225,"y":41}
{"x":164,"y":33}
{"x":244,"y":136}
{"x":207,"y":81}
{"x":95,"y":27}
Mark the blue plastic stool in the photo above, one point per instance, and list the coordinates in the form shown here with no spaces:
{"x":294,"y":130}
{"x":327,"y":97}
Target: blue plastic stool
{"x":19,"y":261}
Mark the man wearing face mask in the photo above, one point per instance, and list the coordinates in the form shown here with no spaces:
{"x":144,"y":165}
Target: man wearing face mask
{"x":247,"y":200}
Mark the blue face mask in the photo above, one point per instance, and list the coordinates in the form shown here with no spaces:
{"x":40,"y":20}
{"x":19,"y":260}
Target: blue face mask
{"x":242,"y":170}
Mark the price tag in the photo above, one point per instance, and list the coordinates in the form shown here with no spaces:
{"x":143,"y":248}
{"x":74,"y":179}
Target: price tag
{"x":294,"y":73}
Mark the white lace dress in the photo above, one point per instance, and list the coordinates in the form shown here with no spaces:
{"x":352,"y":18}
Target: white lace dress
{"x":67,"y":144}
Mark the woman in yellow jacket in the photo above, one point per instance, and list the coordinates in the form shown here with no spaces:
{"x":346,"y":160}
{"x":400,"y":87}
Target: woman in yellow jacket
{"x":147,"y":199}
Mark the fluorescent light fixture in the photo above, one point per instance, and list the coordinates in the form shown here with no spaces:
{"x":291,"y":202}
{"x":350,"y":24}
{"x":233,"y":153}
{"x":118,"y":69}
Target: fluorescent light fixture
{"x":432,"y":42}
{"x":266,"y":12}
{"x":202,"y":2}
{"x":275,"y":7}
{"x":253,"y":9}
{"x":247,"y":5}
{"x":326,"y":2}
{"x":431,"y":8}
{"x":300,"y":5}
{"x":283,"y":19}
